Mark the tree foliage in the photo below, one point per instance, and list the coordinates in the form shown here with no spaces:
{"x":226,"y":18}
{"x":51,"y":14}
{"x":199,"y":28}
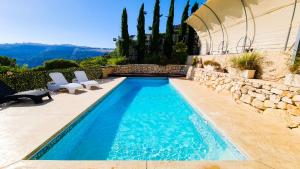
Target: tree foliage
{"x":6,"y":61}
{"x":168,"y":44}
{"x":183,"y":26}
{"x":155,"y":39}
{"x":124,"y":43}
{"x":180,"y":53}
{"x":141,"y":36}
{"x":59,"y":64}
{"x":192,"y":43}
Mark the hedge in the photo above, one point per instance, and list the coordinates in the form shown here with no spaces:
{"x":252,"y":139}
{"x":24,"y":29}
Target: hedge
{"x":30,"y":80}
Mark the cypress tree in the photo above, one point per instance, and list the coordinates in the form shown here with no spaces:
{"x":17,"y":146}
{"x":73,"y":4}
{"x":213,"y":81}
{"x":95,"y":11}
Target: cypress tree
{"x":168,"y":45}
{"x":183,"y":26}
{"x":155,"y":39}
{"x":124,"y":44}
{"x":141,"y":37}
{"x":192,"y":35}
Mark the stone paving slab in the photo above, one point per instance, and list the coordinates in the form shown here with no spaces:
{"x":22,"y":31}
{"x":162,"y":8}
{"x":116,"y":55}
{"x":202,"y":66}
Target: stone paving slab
{"x":25,"y":126}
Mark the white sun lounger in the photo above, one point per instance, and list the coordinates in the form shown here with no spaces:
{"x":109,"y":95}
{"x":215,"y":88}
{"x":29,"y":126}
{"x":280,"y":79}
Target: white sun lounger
{"x":60,"y":82}
{"x":82,"y":79}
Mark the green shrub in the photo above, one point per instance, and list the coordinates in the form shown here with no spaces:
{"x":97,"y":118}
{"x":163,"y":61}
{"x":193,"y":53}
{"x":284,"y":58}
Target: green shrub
{"x":29,"y":80}
{"x":295,"y":67}
{"x":5,"y":69}
{"x":39,"y":68}
{"x":247,"y":61}
{"x":116,"y":61}
{"x":6,"y":61}
{"x":59,"y":64}
{"x":96,"y":61}
{"x":195,"y":61}
{"x":212,"y":63}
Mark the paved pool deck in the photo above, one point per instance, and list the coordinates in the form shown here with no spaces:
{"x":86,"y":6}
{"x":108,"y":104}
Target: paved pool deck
{"x":268,"y":144}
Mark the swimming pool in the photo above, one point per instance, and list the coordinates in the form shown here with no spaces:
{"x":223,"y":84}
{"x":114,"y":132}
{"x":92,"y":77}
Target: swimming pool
{"x":142,"y":119}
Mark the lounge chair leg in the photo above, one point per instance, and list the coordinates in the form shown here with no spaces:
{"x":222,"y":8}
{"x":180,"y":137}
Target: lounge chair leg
{"x":49,"y":96}
{"x":72,"y":91}
{"x":37,"y":100}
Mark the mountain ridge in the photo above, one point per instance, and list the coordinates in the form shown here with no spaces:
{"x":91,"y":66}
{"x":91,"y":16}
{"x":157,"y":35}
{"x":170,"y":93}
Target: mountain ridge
{"x":34,"y":54}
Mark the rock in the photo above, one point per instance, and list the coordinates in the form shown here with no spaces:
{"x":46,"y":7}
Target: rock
{"x":282,"y":105}
{"x":251,"y":93}
{"x":257,"y":85}
{"x":292,"y":122}
{"x":294,"y":89}
{"x":275,"y":98}
{"x":282,"y":87}
{"x":297,"y":104}
{"x":246,"y":98}
{"x":267,"y":87}
{"x":261,"y":97}
{"x":244,"y":90}
{"x":236,"y":96}
{"x":296,"y":98}
{"x":293,"y":110}
{"x":258,"y":104}
{"x":219,"y":89}
{"x":269,"y":104}
{"x":276,"y":91}
{"x":287,"y":100}
{"x":287,"y":94}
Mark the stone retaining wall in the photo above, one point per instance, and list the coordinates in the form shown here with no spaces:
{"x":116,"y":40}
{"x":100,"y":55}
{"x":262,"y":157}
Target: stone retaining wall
{"x":263,"y":95}
{"x":273,"y":68}
{"x":150,"y":69}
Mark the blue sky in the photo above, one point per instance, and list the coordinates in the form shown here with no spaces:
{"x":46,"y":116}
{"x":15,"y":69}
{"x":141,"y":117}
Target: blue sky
{"x":80,"y":22}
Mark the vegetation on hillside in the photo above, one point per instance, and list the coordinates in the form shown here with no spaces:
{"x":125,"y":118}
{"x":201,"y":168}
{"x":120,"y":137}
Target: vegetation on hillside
{"x":9,"y":65}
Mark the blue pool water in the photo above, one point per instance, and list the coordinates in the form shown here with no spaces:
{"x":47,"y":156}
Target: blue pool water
{"x":142,"y":119}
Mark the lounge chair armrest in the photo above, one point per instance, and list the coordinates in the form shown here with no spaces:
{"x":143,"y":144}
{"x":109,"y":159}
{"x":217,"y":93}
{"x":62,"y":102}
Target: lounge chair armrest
{"x":74,"y":80}
{"x":52,"y":86}
{"x":51,"y":83}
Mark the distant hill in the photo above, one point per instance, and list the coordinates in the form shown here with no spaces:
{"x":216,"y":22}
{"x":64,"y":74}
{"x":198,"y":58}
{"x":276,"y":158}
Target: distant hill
{"x":34,"y":54}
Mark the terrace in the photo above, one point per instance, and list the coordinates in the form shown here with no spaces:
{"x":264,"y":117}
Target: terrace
{"x":265,"y":141}
{"x":260,"y":117}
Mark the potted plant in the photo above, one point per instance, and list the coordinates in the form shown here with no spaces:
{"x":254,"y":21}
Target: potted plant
{"x":293,"y":78}
{"x":197,"y":62}
{"x":247,"y":64}
{"x":211,"y":65}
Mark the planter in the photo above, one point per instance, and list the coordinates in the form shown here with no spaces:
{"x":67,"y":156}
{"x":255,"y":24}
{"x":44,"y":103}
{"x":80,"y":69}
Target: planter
{"x":292,"y":80}
{"x":210,"y":68}
{"x":248,"y":74}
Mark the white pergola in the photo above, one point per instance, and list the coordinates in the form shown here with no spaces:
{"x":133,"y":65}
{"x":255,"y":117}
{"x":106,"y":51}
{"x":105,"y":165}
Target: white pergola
{"x":233,"y":26}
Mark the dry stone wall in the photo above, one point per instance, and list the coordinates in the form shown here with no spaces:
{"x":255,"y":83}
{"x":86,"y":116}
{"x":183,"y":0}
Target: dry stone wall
{"x":265,"y":96}
{"x":150,"y":69}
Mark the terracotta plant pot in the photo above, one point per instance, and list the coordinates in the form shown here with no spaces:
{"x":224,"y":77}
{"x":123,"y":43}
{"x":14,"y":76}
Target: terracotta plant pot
{"x":248,"y":74}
